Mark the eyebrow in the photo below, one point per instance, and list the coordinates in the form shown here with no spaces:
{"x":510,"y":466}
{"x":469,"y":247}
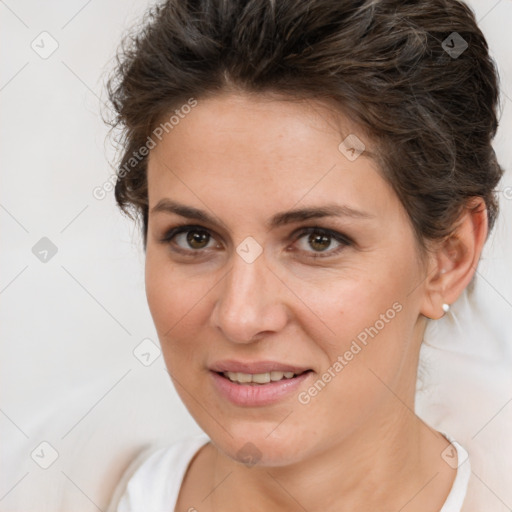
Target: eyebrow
{"x":277,"y":220}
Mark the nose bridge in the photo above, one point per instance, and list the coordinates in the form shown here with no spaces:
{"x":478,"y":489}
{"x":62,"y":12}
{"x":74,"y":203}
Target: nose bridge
{"x":249,"y":302}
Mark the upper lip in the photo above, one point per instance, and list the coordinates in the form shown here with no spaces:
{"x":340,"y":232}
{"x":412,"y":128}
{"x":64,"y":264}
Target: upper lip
{"x":255,"y":367}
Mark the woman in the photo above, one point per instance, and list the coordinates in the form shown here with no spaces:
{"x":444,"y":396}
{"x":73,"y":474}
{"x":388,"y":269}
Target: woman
{"x":315,"y":181}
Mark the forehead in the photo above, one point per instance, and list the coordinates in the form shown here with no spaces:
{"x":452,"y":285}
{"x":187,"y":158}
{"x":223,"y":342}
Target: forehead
{"x":262,"y":125}
{"x":234,"y":147}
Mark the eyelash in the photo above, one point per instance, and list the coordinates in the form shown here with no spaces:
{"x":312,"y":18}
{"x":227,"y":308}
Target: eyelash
{"x":338,"y":237}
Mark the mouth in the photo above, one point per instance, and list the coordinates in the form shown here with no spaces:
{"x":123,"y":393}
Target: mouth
{"x":259,"y":379}
{"x":257,"y":384}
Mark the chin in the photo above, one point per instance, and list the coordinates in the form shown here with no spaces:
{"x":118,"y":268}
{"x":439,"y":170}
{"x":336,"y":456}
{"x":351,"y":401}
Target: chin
{"x":254,"y":448}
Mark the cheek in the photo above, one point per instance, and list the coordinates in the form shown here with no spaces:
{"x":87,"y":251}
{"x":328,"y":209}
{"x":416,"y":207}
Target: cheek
{"x":370,"y":331}
{"x":366,"y":316}
{"x":174,"y":299}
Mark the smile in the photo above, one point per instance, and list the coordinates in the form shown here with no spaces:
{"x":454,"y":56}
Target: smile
{"x":258,"y":378}
{"x":259,"y":387}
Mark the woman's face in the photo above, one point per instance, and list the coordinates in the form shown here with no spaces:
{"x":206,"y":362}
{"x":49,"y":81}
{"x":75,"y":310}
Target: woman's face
{"x":297,"y":258}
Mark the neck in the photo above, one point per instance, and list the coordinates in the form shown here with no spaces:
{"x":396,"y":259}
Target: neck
{"x":383,"y":465}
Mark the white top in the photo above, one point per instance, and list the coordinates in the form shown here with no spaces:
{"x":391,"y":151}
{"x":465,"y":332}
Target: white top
{"x":153,"y":480}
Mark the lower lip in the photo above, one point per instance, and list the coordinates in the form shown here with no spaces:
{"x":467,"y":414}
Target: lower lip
{"x":252,"y":395}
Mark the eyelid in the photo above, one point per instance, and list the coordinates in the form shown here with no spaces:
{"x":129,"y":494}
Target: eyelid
{"x":182,"y":228}
{"x":299,"y":233}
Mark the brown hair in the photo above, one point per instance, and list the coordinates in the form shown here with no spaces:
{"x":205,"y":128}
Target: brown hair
{"x":388,"y":63}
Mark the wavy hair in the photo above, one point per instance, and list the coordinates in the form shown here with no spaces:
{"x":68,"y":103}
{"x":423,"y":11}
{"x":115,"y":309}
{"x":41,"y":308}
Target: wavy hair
{"x":387,"y":63}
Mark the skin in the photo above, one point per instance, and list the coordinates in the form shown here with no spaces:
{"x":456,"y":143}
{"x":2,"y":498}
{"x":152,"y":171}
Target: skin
{"x":357,"y":445}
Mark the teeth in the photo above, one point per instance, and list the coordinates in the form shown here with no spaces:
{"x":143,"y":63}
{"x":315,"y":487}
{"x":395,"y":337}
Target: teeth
{"x":257,"y":378}
{"x":261,"y":378}
{"x":242,"y":377}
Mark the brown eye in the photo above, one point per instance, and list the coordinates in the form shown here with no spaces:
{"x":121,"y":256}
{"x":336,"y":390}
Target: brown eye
{"x":190,"y":239}
{"x":319,"y":242}
{"x":197,"y":239}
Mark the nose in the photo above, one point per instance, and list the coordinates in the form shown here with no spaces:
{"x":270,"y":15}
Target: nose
{"x":250,"y":302}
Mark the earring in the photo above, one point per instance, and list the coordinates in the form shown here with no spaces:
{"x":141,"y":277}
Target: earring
{"x":446,"y":308}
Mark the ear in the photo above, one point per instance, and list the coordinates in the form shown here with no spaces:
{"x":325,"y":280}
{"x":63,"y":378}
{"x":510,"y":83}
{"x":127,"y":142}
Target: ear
{"x":453,"y":262}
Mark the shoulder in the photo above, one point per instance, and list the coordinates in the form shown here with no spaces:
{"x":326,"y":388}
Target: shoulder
{"x":153,"y":479}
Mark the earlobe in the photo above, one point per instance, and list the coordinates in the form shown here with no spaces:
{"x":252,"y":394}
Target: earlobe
{"x":455,"y":261}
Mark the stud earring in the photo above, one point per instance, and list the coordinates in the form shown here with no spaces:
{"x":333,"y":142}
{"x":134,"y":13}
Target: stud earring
{"x":446,"y":307}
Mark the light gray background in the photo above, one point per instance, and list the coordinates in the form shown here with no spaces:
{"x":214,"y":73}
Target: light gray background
{"x":70,"y":325}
